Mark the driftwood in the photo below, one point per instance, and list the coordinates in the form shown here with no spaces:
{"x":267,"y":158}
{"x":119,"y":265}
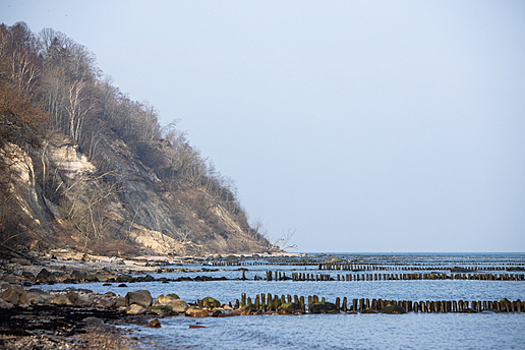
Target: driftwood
{"x":33,"y":260}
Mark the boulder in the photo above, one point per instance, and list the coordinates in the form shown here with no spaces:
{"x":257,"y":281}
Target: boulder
{"x":154,"y":323}
{"x":45,"y":276}
{"x":78,"y":275}
{"x":93,"y":321}
{"x":77,"y":300}
{"x":369,"y":311}
{"x":61,"y":300}
{"x":179,"y":305}
{"x":139,"y":297}
{"x":29,"y":276}
{"x":289,"y":308}
{"x":164,"y":300}
{"x":161,"y":310}
{"x":323,"y":307}
{"x":106,"y":303}
{"x":118,"y":302}
{"x":196,"y":312}
{"x":15,"y":295}
{"x":136,"y":309}
{"x":209,"y":303}
{"x":392,"y":309}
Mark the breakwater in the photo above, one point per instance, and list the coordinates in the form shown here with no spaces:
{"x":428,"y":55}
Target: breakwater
{"x":287,"y":304}
{"x":305,"y":276}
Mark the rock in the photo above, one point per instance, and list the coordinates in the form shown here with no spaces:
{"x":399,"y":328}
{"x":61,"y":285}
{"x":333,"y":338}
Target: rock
{"x":93,"y":321}
{"x":139,"y":297}
{"x":164,"y":300}
{"x":77,"y":300}
{"x":219,"y":313}
{"x":78,"y":275}
{"x":289,"y":308}
{"x":136,"y":309}
{"x":38,"y":295}
{"x":45,"y":276}
{"x":369,"y":311}
{"x":196,"y":312}
{"x":392,"y":309}
{"x":333,"y":260}
{"x":179,"y":305}
{"x":323,"y":307}
{"x":29,"y":276}
{"x":20,"y":261}
{"x":154,"y":323}
{"x":173,"y":296}
{"x":5,"y":305}
{"x":122,"y":285}
{"x":209,"y":303}
{"x":106,"y":303}
{"x":61,"y":300}
{"x":15,"y":295}
{"x":139,"y":320}
{"x":161,"y":310}
{"x":118,"y":302}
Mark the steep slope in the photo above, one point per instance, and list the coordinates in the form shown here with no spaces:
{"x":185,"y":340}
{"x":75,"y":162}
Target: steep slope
{"x":82,"y":166}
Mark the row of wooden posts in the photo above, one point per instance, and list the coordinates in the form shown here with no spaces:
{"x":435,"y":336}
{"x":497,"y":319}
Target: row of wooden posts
{"x":353,"y":267}
{"x":299,"y":276}
{"x":268,"y":301}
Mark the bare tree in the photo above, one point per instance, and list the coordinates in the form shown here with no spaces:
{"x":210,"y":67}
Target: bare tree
{"x":281,"y":243}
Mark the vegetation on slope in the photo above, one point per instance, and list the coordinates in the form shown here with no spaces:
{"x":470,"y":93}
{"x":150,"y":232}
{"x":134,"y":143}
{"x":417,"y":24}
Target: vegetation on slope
{"x":131,"y":177}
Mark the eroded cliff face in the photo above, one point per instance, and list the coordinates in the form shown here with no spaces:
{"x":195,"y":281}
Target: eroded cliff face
{"x":107,"y":201}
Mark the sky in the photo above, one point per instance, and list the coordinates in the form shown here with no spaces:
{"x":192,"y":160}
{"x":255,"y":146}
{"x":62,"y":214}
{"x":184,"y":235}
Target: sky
{"x":363,"y":126}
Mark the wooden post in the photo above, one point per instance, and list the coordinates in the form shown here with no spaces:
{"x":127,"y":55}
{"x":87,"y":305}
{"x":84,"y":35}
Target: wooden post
{"x":344,"y":306}
{"x":243,"y":299}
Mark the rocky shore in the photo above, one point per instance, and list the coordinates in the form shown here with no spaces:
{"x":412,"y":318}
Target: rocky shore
{"x":32,"y":317}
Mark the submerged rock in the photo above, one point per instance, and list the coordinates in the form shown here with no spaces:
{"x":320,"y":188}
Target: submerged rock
{"x":161,"y":310}
{"x":154,"y":323}
{"x":196,"y":312}
{"x":209,"y":303}
{"x":323,"y":307}
{"x":289,"y":308}
{"x":393,"y":309}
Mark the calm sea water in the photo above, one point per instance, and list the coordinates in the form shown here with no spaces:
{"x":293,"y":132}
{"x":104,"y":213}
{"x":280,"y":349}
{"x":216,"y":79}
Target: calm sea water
{"x":486,"y":330}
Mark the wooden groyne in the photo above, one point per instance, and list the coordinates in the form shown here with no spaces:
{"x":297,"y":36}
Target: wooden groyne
{"x":305,"y":276}
{"x":269,"y":302}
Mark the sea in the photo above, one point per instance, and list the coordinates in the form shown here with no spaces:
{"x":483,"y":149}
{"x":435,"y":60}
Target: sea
{"x":484,"y":330}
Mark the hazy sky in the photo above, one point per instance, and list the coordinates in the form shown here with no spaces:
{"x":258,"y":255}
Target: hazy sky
{"x":367,"y":126}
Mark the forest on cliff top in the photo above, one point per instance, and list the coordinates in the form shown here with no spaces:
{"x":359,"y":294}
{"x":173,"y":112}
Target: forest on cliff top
{"x":82,"y":166}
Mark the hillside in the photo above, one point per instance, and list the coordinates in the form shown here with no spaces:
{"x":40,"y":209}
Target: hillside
{"x":84,"y":167}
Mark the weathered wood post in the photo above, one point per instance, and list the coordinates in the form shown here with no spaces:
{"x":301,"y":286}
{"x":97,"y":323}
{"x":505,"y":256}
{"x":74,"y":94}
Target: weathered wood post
{"x":344,"y":306}
{"x":243,"y":299}
{"x":301,"y":302}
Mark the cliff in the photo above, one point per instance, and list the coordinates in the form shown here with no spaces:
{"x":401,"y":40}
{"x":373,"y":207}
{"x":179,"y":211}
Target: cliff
{"x":84,"y":167}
